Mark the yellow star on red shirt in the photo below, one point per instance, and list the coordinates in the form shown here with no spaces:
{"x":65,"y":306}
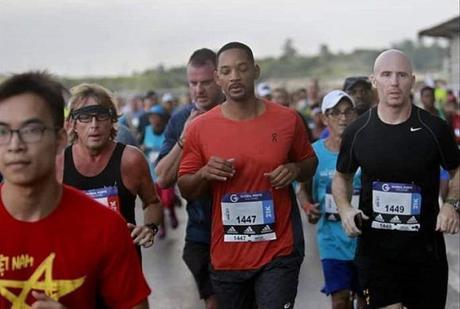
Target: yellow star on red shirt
{"x":40,"y":280}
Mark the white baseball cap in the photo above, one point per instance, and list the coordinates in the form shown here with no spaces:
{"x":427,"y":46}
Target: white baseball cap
{"x":167,"y":97}
{"x":333,"y":98}
{"x":264,"y":89}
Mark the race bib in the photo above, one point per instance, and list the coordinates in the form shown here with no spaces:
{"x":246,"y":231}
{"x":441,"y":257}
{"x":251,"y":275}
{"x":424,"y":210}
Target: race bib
{"x":396,"y":206}
{"x":248,"y":217}
{"x":330,"y":208}
{"x":107,"y":196}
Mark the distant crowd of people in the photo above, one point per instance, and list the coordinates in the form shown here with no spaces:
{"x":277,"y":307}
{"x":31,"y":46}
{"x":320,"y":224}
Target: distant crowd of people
{"x":374,"y":165}
{"x":432,"y":97}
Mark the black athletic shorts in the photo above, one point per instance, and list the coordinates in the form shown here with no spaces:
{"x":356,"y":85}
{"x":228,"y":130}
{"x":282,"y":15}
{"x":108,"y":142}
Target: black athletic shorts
{"x":273,"y":286}
{"x":415,"y":284}
{"x":196,"y":256}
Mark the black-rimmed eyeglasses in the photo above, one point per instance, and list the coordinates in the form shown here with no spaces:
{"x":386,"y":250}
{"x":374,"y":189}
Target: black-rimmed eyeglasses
{"x":32,"y":133}
{"x":335,"y":113}
{"x":86,"y":118}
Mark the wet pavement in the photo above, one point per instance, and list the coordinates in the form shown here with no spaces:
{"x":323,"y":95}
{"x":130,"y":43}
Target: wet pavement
{"x":174,"y":288}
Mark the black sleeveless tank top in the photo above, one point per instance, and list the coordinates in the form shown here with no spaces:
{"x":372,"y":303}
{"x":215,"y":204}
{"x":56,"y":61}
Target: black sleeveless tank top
{"x":106,"y":187}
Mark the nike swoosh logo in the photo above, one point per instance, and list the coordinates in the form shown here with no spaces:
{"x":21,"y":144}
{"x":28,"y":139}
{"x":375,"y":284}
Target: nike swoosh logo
{"x":414,"y":129}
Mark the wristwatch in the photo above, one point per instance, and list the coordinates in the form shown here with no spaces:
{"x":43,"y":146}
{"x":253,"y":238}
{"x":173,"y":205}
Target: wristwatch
{"x":453,"y":202}
{"x":153,"y":227}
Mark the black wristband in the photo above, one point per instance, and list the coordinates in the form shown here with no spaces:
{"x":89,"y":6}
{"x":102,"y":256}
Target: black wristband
{"x":179,"y":143}
{"x":153,"y":227}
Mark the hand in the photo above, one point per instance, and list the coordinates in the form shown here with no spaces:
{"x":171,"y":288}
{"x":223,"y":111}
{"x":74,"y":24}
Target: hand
{"x":347,"y":215}
{"x":142,"y":235}
{"x":45,"y":302}
{"x":312,"y":211}
{"x":218,"y":169}
{"x":283,"y":175}
{"x":448,"y":219}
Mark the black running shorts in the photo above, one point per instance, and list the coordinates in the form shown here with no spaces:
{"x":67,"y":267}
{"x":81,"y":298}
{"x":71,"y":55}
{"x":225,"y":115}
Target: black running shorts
{"x":196,"y":257}
{"x":415,"y":284}
{"x":273,"y":286}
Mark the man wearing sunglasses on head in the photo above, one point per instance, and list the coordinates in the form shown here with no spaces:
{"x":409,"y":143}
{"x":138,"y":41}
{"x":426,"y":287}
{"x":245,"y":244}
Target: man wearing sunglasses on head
{"x":110,"y":172}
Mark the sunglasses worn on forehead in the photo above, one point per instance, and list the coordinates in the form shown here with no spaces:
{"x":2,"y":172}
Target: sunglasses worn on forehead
{"x":86,"y":114}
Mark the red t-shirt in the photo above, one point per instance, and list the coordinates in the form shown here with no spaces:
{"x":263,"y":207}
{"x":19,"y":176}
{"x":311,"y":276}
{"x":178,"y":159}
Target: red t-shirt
{"x":257,"y":146}
{"x":80,"y":254}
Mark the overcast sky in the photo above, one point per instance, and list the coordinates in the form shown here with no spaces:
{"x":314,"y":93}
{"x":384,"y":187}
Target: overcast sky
{"x":108,"y":37}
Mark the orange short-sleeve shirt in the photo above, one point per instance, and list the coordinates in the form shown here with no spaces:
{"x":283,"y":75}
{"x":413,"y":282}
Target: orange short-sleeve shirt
{"x":257,"y":146}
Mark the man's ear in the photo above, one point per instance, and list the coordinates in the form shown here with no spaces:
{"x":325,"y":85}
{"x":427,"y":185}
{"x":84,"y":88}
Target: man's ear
{"x":216,"y":78}
{"x":372,"y":79}
{"x":61,"y":140}
{"x":324,"y":119}
{"x":69,"y":125}
{"x":257,"y":71}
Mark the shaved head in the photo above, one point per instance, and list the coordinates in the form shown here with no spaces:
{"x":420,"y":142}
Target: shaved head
{"x":393,"y":78}
{"x":395,"y":57}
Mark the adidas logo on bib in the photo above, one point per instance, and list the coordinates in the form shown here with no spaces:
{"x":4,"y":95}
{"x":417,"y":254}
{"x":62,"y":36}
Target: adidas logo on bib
{"x":412,"y":220}
{"x":395,"y":219}
{"x":249,"y":230}
{"x":379,"y":218}
{"x":266,"y":229}
{"x":232,"y":230}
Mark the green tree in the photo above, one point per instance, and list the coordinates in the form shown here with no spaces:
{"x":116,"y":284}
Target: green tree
{"x":288,"y":50}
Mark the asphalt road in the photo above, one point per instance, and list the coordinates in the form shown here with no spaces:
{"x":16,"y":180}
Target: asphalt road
{"x":174,"y":288}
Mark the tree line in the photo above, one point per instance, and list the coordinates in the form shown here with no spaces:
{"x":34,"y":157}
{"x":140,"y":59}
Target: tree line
{"x":290,"y":64}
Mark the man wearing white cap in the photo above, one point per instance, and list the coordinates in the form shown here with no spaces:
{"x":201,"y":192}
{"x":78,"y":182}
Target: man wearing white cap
{"x":264,"y":91}
{"x":168,"y":101}
{"x":336,"y":249}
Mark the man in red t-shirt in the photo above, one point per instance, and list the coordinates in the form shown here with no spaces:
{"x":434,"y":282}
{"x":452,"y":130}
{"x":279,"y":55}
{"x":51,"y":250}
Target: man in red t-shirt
{"x":60,"y":249}
{"x":246,"y":153}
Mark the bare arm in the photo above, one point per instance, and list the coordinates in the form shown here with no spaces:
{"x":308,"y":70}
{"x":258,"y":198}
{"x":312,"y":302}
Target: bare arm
{"x":193,"y":186}
{"x":454,"y":184}
{"x":305,"y":192}
{"x":342,"y":190}
{"x":305,"y":197}
{"x":307,"y":169}
{"x":448,"y":220}
{"x":136,"y":177}
{"x":285,"y":174}
{"x":168,"y":166}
